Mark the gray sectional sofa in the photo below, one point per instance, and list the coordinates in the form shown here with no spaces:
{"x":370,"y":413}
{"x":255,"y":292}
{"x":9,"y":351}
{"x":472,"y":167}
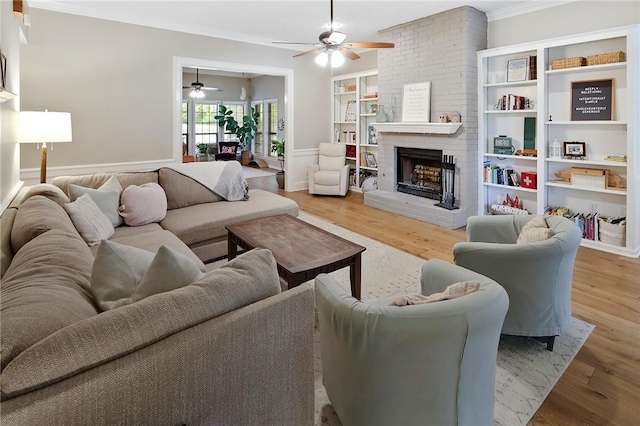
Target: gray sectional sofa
{"x":231,"y":348}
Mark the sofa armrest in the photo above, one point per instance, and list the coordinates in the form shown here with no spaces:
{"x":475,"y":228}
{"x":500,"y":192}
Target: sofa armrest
{"x":253,"y":365}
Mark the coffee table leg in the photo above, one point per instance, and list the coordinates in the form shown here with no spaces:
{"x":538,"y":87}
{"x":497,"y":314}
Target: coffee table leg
{"x":232,"y":248}
{"x":355,"y":273}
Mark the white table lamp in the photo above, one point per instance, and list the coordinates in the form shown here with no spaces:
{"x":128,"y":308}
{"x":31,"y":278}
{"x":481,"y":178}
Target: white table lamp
{"x":42,"y":127}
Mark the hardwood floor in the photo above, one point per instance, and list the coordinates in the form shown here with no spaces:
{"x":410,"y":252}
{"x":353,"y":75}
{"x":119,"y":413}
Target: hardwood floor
{"x":602,"y":384}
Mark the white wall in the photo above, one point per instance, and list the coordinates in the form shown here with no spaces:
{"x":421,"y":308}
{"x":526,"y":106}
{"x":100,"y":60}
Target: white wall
{"x":567,"y":19}
{"x":9,"y":149}
{"x":116,"y":79}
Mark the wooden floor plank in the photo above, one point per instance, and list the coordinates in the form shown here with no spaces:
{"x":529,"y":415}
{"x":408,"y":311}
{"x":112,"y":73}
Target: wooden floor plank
{"x":602,"y":385}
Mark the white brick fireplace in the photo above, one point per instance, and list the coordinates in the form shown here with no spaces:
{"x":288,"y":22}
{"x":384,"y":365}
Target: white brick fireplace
{"x":441,"y":49}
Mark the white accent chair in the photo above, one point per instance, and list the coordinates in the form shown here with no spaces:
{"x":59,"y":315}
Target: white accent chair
{"x":331,"y":175}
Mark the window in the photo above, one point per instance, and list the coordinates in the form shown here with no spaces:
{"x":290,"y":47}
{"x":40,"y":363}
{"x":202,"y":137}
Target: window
{"x":206,"y":126}
{"x":238,"y":113}
{"x":272,"y":120}
{"x":259,"y":140}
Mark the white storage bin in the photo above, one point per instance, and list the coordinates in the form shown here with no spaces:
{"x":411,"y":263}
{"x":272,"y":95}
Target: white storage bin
{"x":614,"y":234}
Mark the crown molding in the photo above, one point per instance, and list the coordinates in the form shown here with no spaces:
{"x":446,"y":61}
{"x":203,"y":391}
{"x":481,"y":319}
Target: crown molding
{"x":524,"y":8}
{"x":78,"y":9}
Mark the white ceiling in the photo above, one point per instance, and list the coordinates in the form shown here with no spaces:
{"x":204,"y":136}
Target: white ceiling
{"x":264,"y":21}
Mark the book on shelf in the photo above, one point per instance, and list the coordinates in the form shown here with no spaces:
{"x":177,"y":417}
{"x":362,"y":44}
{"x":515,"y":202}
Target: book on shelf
{"x":533,"y":67}
{"x":501,"y":175}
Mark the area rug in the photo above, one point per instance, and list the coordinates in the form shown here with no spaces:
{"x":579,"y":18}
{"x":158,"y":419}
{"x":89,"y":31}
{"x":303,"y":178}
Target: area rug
{"x":526,"y":372}
{"x":252,"y":172}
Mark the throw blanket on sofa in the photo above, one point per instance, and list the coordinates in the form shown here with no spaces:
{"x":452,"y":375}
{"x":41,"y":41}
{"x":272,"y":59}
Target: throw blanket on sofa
{"x":452,"y":292}
{"x":225,"y":178}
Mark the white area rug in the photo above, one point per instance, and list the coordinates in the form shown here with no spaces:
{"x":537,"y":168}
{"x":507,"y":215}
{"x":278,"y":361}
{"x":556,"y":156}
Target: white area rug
{"x":252,"y":172}
{"x":526,"y":371}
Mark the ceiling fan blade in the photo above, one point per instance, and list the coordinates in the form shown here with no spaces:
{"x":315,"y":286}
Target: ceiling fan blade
{"x":307,"y":52}
{"x":370,"y":44}
{"x":214,"y":89}
{"x":349,"y":53}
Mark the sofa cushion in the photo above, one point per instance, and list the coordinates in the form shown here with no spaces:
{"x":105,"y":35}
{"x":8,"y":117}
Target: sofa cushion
{"x":46,"y":288}
{"x":47,"y":190}
{"x":122,"y":275}
{"x":247,"y":279}
{"x":327,"y":177}
{"x":143,"y":204}
{"x":182,"y":191}
{"x":36,"y":216}
{"x":107,"y":198}
{"x":98,"y":179}
{"x":204,"y":222}
{"x":92,"y":225}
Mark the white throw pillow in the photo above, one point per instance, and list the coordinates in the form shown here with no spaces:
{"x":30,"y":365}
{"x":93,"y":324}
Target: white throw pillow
{"x":535,"y":230}
{"x":122,"y":274}
{"x":107,"y":197}
{"x":143,"y":204}
{"x":92,"y":225}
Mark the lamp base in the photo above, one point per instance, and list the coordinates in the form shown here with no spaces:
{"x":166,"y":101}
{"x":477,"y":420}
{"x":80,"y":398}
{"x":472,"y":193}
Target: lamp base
{"x":43,"y":164}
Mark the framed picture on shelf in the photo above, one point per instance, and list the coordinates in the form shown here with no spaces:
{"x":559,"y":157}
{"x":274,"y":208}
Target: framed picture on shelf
{"x":592,"y":100}
{"x":350,"y":112}
{"x":372,"y":138}
{"x":575,"y":150}
{"x":371,"y":160}
{"x":517,"y":69}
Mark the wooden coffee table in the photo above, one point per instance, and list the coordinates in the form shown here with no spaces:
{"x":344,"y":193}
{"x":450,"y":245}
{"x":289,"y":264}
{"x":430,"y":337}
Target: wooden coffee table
{"x":301,"y":250}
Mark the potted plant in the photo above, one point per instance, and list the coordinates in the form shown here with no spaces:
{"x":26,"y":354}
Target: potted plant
{"x":245,"y":132}
{"x":277,"y":147}
{"x":203,"y":149}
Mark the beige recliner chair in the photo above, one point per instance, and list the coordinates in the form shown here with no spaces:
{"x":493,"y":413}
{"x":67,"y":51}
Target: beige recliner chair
{"x":432,"y":364}
{"x":331,"y":175}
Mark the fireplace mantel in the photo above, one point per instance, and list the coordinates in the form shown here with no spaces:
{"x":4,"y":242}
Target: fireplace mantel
{"x":432,"y":128}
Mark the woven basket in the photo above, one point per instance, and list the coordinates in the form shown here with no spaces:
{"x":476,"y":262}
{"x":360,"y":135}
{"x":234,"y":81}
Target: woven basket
{"x":558,"y":64}
{"x":606,"y":58}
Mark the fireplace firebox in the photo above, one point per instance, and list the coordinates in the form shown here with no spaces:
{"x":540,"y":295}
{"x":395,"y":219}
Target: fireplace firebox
{"x":419,"y":172}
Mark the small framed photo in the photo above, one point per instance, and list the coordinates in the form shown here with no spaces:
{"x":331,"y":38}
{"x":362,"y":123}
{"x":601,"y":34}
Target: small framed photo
{"x":575,"y":150}
{"x":517,"y":69}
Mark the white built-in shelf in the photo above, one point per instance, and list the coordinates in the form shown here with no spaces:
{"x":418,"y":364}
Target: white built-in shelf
{"x":515,"y":188}
{"x":512,"y":83}
{"x":349,"y":143}
{"x":5,"y":95}
{"x":353,"y":92}
{"x":344,"y":122}
{"x":588,"y":68}
{"x":509,"y":111}
{"x":588,"y":122}
{"x":514,"y":157}
{"x":580,"y":188}
{"x":351,"y":158}
{"x":368,"y":115}
{"x":369,"y":144}
{"x":589,"y":162}
{"x":430,"y":128}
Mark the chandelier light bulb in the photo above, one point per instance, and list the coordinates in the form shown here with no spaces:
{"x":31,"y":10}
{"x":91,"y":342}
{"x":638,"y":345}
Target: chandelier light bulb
{"x":337,"y":59}
{"x":322,"y":59}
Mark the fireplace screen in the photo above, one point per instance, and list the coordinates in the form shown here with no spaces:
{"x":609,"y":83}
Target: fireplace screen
{"x":419,"y":172}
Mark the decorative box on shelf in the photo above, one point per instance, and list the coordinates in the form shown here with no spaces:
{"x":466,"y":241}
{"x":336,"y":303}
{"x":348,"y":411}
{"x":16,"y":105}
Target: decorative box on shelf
{"x":558,"y":64}
{"x":529,"y":180}
{"x":613,"y":233}
{"x":589,"y":178}
{"x":606,"y":58}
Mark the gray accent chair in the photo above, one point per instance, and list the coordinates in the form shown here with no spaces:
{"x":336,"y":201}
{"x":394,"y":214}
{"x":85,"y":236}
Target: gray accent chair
{"x":430,"y":364}
{"x":537,"y":276}
{"x":331,"y":175}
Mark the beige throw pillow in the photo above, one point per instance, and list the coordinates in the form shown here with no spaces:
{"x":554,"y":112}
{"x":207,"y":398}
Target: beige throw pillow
{"x":92,"y":225}
{"x":107,"y":198}
{"x":535,"y":230}
{"x":122,"y":274}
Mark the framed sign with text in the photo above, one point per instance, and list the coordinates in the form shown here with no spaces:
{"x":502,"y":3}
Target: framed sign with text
{"x":416,"y":102}
{"x":592,"y":100}
{"x":517,"y":69}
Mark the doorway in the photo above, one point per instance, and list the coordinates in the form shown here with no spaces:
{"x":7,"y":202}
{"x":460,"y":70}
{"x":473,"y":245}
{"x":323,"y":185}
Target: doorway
{"x":180,"y":63}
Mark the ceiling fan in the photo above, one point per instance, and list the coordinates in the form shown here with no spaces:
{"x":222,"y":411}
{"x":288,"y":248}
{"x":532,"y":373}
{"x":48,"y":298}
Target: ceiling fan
{"x":332,"y":46}
{"x":197,"y":87}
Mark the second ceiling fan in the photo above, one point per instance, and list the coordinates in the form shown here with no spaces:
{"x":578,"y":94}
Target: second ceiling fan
{"x":332,"y":46}
{"x":197,"y":87}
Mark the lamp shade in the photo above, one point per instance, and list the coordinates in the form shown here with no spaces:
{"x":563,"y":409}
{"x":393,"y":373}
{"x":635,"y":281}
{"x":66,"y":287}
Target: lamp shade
{"x":44,"y":126}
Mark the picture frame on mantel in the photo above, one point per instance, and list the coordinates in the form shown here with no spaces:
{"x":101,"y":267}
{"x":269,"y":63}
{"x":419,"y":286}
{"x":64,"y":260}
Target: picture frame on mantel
{"x":416,"y":102}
